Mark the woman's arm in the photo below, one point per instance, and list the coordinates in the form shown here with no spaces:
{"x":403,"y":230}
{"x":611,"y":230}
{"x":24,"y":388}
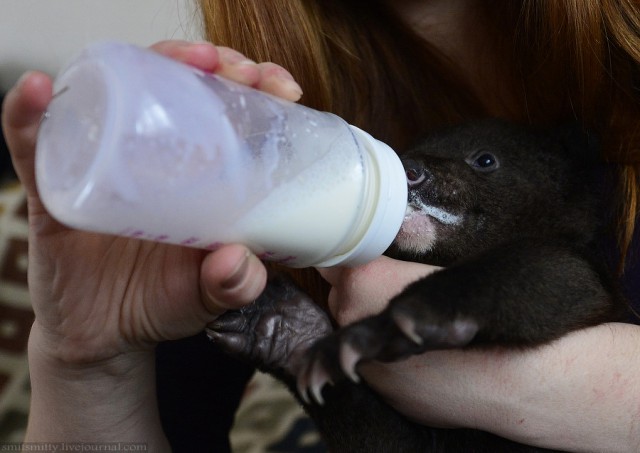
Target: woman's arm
{"x":581,"y":393}
{"x":110,"y":401}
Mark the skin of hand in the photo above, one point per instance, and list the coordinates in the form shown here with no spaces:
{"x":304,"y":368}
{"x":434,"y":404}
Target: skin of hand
{"x":365,"y":290}
{"x":101,"y":302}
{"x":541,"y":396}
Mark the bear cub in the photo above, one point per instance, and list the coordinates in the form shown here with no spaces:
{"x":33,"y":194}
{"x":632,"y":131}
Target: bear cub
{"x":513,"y":217}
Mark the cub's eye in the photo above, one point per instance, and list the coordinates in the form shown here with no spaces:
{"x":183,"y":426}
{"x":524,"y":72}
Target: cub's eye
{"x":483,"y":161}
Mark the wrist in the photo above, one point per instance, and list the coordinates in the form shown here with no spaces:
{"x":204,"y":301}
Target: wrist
{"x":109,"y":400}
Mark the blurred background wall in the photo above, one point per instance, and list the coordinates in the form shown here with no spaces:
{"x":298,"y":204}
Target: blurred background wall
{"x":44,"y":34}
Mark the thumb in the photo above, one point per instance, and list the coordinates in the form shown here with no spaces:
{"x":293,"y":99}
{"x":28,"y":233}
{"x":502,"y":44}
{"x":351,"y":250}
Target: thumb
{"x":22,"y":111}
{"x":366,"y":290}
{"x":230,"y":278}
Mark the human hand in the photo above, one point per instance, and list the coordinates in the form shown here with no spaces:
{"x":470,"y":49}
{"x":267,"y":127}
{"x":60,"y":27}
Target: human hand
{"x":366,"y":290}
{"x":98,"y":296}
{"x":102,"y":302}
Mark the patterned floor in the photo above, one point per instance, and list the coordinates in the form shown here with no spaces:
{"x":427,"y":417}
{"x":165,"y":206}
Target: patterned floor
{"x":16,"y":316}
{"x":269,"y":419}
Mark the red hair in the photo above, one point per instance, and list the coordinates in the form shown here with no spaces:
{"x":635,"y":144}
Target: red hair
{"x":563,"y":60}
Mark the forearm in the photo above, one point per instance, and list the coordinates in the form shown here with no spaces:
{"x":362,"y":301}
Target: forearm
{"x":111,"y":401}
{"x":579,"y":394}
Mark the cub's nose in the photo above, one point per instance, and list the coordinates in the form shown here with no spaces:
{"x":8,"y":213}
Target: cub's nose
{"x":416,"y":172}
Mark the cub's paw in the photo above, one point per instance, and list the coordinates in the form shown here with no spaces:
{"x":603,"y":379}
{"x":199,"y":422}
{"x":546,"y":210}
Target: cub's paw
{"x":403,"y":329}
{"x":275,"y":330}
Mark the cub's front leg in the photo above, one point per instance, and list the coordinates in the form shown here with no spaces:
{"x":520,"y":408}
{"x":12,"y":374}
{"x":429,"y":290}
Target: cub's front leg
{"x":517,"y":295}
{"x":274,"y":334}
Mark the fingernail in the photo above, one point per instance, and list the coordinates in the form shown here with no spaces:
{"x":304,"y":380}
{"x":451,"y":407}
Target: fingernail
{"x":243,"y":71}
{"x":212,"y":334}
{"x":243,"y":63}
{"x":23,"y":78}
{"x":291,"y":86}
{"x":239,"y":274}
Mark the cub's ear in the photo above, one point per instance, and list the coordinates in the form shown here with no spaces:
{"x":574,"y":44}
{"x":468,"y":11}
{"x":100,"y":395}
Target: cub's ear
{"x":579,"y":142}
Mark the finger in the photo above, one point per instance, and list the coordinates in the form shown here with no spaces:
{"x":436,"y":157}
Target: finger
{"x":202,"y":55}
{"x":268,"y":77}
{"x":366,"y":290}
{"x":278,"y":81}
{"x":22,"y":111}
{"x":237,"y":67}
{"x":230,"y":278}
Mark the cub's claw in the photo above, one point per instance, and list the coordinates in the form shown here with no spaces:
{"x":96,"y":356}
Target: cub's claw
{"x":407,"y":326}
{"x":231,"y":343}
{"x":428,"y":325}
{"x":330,"y":360}
{"x":312,"y":380}
{"x":349,"y":358}
{"x":396,"y":333}
{"x":314,"y":375}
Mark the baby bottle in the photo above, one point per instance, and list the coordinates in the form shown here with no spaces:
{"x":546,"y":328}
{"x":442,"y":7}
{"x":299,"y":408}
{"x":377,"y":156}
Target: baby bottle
{"x":138,"y":145}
